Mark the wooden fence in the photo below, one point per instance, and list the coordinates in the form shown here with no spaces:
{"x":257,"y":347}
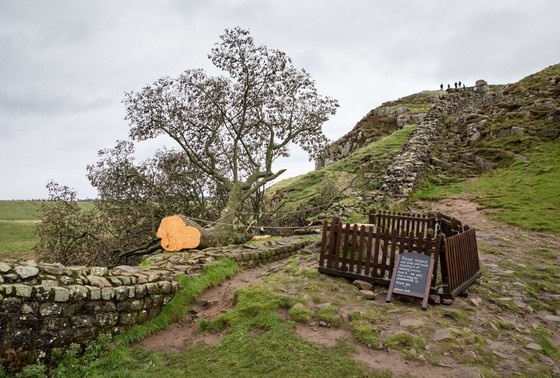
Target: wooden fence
{"x":417,"y":223}
{"x":449,"y":226}
{"x":368,"y":252}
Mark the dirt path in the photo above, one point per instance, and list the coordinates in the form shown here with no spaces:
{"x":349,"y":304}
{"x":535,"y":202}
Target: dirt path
{"x":511,"y":245}
{"x":210,"y":304}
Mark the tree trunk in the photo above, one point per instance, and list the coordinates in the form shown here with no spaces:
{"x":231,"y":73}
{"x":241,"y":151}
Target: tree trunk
{"x":177,"y":232}
{"x":228,"y":216}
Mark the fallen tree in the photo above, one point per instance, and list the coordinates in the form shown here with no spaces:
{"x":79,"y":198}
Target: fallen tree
{"x":177,"y":232}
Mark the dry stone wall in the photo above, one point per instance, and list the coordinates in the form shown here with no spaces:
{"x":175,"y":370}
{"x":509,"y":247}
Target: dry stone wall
{"x":410,"y":166}
{"x":45,"y":306}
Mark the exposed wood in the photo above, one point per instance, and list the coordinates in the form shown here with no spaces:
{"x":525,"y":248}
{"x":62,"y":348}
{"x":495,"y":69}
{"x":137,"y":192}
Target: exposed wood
{"x":178,"y":232}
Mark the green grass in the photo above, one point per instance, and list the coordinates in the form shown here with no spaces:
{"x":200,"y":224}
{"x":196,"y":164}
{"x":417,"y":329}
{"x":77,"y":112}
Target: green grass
{"x":17,"y":239}
{"x":363,"y":331}
{"x":20,"y":210}
{"x":18,"y":220}
{"x":404,"y":342}
{"x":524,"y":194}
{"x":17,"y":228}
{"x":542,"y":337}
{"x":384,"y":148}
{"x":307,"y":189}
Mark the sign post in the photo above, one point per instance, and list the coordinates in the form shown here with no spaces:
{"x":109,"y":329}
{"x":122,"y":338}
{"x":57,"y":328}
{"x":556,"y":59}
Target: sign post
{"x":412,"y":276}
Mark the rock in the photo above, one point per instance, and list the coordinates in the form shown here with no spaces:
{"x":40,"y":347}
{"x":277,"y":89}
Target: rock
{"x":298,"y":306}
{"x":499,"y":354}
{"x":504,"y":299}
{"x":411,"y":323}
{"x":323,"y":323}
{"x":367,"y":294}
{"x":98,"y":271}
{"x":362,"y":285}
{"x":23,"y":290}
{"x":442,"y":334}
{"x":26,"y":271}
{"x":552,"y":318}
{"x":476,"y":301}
{"x":56,"y":269}
{"x":481,"y":86}
{"x":61,"y":294}
{"x":465,"y":372}
{"x":98,"y":281}
{"x":434,"y":299}
{"x":533,"y":346}
{"x":4,"y":268}
{"x":447,"y":301}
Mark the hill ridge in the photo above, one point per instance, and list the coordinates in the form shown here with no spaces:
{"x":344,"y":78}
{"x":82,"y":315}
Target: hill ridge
{"x":434,"y":137}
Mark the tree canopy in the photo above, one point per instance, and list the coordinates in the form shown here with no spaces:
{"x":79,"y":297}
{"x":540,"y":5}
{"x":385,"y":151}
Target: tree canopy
{"x":233,"y":127}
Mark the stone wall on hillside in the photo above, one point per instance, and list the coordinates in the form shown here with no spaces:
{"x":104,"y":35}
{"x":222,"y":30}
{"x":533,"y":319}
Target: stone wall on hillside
{"x":410,"y":166}
{"x":45,"y":306}
{"x":405,"y":172}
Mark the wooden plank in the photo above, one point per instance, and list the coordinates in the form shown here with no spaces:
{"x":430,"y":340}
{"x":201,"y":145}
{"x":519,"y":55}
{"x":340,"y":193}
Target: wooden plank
{"x":385,"y":247}
{"x":436,"y":246}
{"x":345,"y":247}
{"x":354,"y":276}
{"x":411,"y":239}
{"x":459,"y":289}
{"x":331,"y":245}
{"x":376,"y":250}
{"x":369,"y":251}
{"x":354,"y":247}
{"x":393,"y":250}
{"x":361,"y":243}
{"x":337,"y":243}
{"x":323,"y":243}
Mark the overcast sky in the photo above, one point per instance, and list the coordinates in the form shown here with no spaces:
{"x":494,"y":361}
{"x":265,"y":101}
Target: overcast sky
{"x":65,"y":65}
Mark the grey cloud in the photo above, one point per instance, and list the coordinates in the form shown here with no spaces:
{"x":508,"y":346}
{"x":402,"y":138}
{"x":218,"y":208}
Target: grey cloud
{"x":66,"y":64}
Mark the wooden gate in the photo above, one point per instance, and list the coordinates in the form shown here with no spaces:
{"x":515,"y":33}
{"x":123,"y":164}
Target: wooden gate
{"x":368,"y":252}
{"x":462,"y":267}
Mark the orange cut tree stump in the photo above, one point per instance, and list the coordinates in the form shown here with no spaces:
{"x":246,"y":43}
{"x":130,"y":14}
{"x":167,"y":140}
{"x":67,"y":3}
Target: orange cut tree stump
{"x":177,"y":232}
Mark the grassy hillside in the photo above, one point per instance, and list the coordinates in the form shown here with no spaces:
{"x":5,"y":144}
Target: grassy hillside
{"x":519,"y":141}
{"x":524,"y":193}
{"x":341,"y":180}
